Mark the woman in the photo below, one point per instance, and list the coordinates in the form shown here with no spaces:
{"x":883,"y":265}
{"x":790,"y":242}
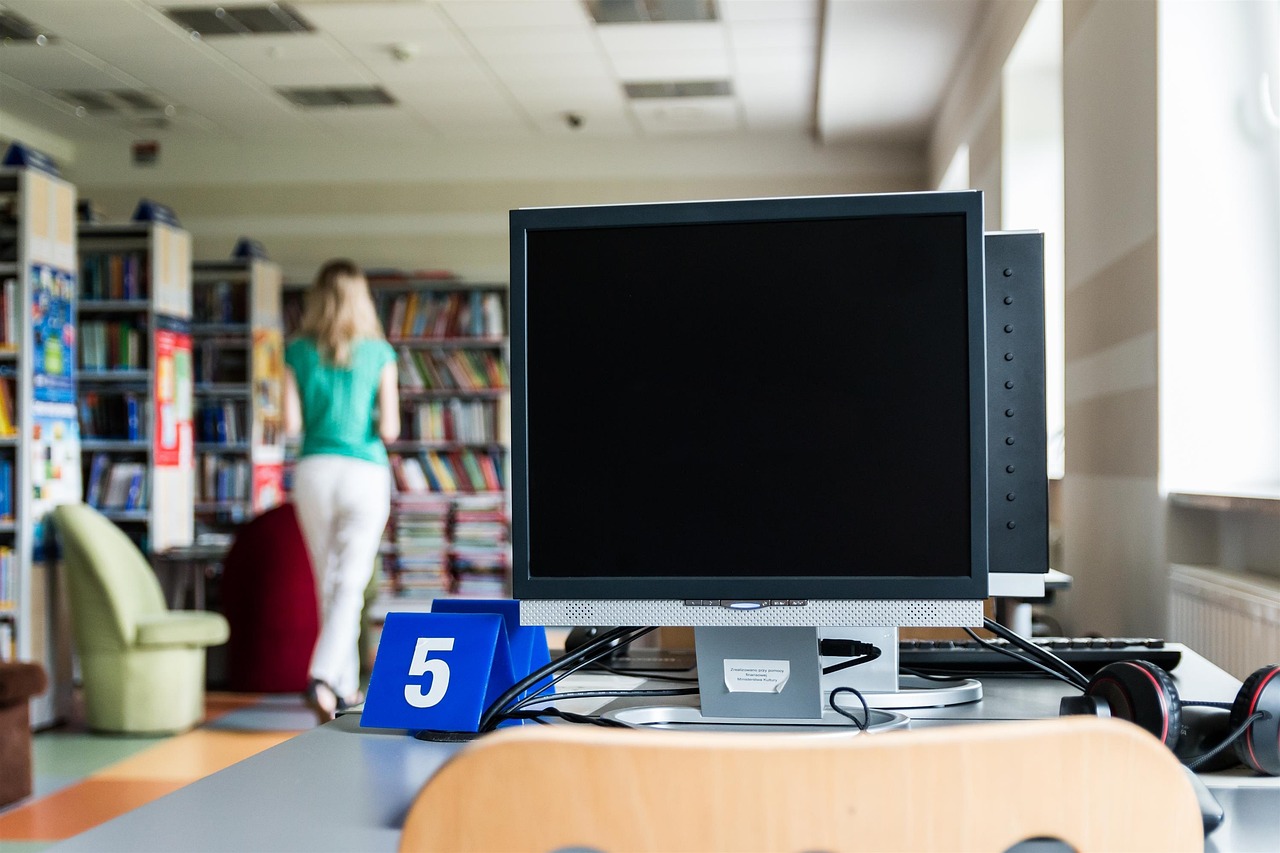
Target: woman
{"x":340,"y":392}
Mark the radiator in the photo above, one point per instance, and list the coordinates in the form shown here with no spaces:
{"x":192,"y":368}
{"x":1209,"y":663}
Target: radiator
{"x":1232,"y":619}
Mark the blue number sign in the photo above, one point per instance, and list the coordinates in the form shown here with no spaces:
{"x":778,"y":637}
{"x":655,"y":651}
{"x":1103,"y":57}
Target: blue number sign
{"x":440,"y":670}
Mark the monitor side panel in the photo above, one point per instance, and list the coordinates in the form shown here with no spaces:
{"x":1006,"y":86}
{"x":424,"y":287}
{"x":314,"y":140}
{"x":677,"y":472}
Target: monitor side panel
{"x":1017,"y":445}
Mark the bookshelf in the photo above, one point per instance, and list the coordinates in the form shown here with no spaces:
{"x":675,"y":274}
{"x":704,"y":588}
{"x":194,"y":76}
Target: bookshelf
{"x":449,"y":532}
{"x":39,"y":453}
{"x":238,"y":348}
{"x":136,"y":378}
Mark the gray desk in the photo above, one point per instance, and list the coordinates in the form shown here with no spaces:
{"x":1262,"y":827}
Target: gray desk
{"x":340,"y":787}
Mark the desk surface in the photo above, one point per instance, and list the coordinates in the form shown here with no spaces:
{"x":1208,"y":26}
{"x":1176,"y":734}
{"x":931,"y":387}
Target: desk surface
{"x":340,"y":787}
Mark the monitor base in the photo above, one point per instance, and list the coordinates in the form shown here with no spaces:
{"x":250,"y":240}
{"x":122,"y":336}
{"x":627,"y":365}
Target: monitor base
{"x":688,"y":717}
{"x":916,"y":692}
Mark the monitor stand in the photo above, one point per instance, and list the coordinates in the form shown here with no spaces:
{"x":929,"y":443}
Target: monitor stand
{"x":770,"y":678}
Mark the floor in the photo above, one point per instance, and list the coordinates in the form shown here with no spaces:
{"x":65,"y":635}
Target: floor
{"x":84,"y":779}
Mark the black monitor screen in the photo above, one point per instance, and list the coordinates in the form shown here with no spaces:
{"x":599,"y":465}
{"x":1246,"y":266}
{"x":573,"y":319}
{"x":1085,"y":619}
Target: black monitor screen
{"x":773,"y":398}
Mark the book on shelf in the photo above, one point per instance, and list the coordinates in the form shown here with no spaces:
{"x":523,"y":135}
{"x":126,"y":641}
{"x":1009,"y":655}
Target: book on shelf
{"x":119,"y":416}
{"x":8,"y":408}
{"x":113,"y":275}
{"x":408,"y":474}
{"x":123,"y":486}
{"x":222,"y":302}
{"x":8,"y":636}
{"x":224,"y":479}
{"x":418,"y":314}
{"x":222,"y":422}
{"x":116,"y":484}
{"x":6,"y":489}
{"x":113,"y":345}
{"x":467,"y":421}
{"x":10,"y":315}
{"x":217,"y":362}
{"x":452,"y":370}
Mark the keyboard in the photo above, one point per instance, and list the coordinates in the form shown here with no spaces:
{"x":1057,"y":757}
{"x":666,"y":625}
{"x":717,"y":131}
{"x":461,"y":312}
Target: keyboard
{"x":1087,"y":654}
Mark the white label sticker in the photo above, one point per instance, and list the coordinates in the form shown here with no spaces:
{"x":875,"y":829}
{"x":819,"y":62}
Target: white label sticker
{"x":756,"y":676}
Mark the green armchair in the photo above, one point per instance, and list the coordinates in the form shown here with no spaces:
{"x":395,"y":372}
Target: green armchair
{"x":142,"y":665}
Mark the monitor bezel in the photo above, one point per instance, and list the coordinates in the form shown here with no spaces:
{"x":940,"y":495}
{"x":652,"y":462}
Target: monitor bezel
{"x":972,"y":584}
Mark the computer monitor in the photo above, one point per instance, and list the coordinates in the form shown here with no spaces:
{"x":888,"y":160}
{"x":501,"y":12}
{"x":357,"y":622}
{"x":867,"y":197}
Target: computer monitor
{"x":750,"y":413}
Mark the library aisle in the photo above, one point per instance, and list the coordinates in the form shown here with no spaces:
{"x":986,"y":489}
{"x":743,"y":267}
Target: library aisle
{"x":85,"y":779}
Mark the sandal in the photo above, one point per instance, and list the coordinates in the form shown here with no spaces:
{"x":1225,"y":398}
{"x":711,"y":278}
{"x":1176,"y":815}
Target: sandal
{"x":322,"y":699}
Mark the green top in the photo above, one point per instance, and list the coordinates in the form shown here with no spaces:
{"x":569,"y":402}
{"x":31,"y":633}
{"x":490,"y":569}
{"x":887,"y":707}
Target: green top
{"x":340,"y":404}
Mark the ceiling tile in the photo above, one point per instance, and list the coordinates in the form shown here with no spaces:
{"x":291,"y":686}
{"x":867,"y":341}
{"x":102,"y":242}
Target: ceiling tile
{"x":662,"y":38}
{"x":377,"y":17}
{"x":460,"y":76}
{"x":769,"y":10}
{"x":500,"y":43}
{"x":470,"y":14}
{"x":80,"y":20}
{"x":375,"y":122}
{"x":777,"y":36}
{"x":687,"y":115}
{"x":406,"y":47}
{"x":609,"y":121}
{"x":636,"y":67}
{"x":254,"y":51}
{"x":53,"y":66}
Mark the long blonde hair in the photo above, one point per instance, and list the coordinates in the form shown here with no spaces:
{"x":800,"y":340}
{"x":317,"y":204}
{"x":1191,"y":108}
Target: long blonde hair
{"x":338,"y":310}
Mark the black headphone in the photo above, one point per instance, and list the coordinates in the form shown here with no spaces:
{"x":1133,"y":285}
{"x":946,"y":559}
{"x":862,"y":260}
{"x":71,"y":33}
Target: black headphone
{"x":1198,"y":732}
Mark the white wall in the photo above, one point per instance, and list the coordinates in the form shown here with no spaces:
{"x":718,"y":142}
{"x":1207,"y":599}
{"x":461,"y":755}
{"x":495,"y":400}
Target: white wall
{"x":445,"y":206}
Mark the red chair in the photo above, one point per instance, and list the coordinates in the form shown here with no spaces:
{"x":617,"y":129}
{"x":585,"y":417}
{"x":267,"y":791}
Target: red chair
{"x":268,"y":597}
{"x":18,"y":683}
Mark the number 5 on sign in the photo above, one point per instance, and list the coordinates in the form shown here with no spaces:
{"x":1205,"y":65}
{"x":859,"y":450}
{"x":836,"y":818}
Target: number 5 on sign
{"x":437,"y":671}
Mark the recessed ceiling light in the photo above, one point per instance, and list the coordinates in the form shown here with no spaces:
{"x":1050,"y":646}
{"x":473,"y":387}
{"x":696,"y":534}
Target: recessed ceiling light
{"x":651,"y":11}
{"x":337,"y":96}
{"x":15,"y":28}
{"x":112,"y":101}
{"x":680,"y":89}
{"x":269,"y":19}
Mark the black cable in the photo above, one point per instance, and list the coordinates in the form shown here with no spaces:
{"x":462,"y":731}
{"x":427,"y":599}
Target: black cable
{"x":1040,"y":652}
{"x":865,"y":657}
{"x":1028,"y":661}
{"x":934,"y":676}
{"x":866,"y":711}
{"x":567,"y":716}
{"x":600,"y":646}
{"x":590,"y":660}
{"x":1234,"y":735}
{"x":597,"y":694}
{"x":648,"y":674}
{"x":952,"y":674}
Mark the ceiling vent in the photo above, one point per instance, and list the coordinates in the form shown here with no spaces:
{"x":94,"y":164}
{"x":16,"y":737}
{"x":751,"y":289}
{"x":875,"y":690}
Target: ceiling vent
{"x":271,"y":19}
{"x":331,"y":96}
{"x":651,"y":11}
{"x":113,"y":101}
{"x":14,"y":28}
{"x":680,"y":89}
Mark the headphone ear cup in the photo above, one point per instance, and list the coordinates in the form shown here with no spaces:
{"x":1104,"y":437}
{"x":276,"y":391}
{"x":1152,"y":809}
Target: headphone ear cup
{"x":1141,"y":693}
{"x":1259,"y":746}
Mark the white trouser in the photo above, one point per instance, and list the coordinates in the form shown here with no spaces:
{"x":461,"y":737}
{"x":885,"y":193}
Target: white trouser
{"x":342,"y":506}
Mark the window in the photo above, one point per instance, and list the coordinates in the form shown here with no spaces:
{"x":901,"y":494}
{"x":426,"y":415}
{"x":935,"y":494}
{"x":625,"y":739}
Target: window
{"x":1032,"y":183}
{"x":1219,"y":247}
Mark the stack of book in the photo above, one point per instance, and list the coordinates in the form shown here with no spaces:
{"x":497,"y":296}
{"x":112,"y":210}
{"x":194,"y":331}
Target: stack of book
{"x":419,"y":566}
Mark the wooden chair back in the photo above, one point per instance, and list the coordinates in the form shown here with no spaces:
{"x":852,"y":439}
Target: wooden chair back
{"x":1097,"y":784}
